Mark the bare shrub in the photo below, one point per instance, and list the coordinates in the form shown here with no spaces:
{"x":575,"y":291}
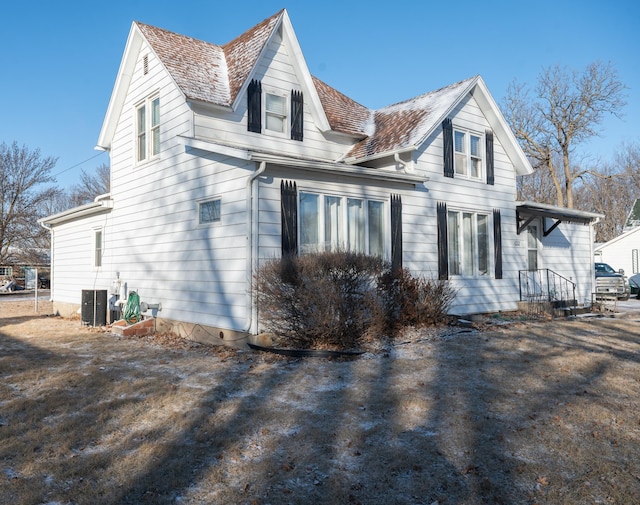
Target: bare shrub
{"x":316,"y":300}
{"x":334,"y":299}
{"x":414,"y":301}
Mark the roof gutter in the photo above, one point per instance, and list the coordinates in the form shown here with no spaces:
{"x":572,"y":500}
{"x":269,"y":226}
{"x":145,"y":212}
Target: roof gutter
{"x":100,"y":204}
{"x":342,"y":169}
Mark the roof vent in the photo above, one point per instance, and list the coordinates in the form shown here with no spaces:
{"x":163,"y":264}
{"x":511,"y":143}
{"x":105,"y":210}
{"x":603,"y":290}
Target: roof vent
{"x":145,"y":64}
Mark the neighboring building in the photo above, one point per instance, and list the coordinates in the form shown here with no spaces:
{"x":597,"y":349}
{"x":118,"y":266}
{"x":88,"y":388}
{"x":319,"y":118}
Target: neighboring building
{"x":225,"y":155}
{"x":623,"y":252}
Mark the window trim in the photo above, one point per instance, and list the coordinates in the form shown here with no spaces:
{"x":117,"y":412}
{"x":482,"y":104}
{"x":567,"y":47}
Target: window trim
{"x":150,"y":132}
{"x":343,"y":223}
{"x":203,"y":201}
{"x":459,"y":270}
{"x":468,"y":157}
{"x":285,"y":117}
{"x":97,"y":253}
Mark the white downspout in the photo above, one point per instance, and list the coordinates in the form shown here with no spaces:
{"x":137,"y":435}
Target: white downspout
{"x":252,"y":242}
{"x":407,"y":165}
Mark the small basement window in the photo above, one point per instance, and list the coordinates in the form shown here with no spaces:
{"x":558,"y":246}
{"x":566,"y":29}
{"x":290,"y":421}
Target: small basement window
{"x":209,"y":211}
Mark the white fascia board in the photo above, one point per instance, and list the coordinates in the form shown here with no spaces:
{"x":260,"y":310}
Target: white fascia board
{"x":120,"y":88}
{"x":623,"y":236}
{"x":88,"y":209}
{"x":499,"y":125}
{"x":243,"y":90}
{"x":212,"y":147}
{"x":438,"y":121}
{"x":302,"y":71}
{"x":341,"y":169}
{"x":385,"y":154}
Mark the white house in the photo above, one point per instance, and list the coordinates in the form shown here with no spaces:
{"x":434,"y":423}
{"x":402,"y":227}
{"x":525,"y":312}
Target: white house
{"x":623,"y":252}
{"x":223,"y":155}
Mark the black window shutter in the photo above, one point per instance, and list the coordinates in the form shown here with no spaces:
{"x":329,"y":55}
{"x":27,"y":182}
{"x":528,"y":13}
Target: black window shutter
{"x":297,"y":114}
{"x":289,"y":213}
{"x":443,"y":245}
{"x":254,"y":106}
{"x":489,"y":148}
{"x":396,"y":233}
{"x":447,"y":143}
{"x":497,"y":243}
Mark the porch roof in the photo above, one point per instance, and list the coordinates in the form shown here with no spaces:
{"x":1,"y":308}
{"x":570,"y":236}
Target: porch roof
{"x":528,"y":211}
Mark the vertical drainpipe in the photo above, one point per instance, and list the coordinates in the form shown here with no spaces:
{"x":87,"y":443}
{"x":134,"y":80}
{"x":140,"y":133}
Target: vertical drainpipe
{"x":252,"y":241}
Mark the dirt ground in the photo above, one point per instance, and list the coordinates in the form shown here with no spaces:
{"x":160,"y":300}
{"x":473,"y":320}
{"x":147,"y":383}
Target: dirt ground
{"x":511,"y":411}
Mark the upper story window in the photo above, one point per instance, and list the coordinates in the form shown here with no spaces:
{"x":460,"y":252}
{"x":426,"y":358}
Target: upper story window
{"x":148,"y":129}
{"x":468,"y":154}
{"x":273,"y":111}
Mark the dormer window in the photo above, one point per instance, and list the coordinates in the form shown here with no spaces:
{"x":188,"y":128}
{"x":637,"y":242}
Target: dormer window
{"x":278,"y":113}
{"x":275,"y":113}
{"x":468,"y":154}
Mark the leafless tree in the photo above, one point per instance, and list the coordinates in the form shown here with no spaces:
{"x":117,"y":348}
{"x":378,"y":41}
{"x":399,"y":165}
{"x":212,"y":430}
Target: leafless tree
{"x":612,"y":192}
{"x":90,"y":186}
{"x":24,"y":179}
{"x":566,"y":111}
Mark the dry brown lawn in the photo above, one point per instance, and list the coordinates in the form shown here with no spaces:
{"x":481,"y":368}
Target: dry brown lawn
{"x":513,"y":412}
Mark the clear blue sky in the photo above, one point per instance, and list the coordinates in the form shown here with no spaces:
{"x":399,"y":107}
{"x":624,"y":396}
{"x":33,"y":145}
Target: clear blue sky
{"x":58,"y":60}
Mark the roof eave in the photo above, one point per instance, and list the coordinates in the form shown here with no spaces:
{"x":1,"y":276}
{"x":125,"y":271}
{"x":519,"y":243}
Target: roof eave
{"x":352,"y":160}
{"x":341,"y":169}
{"x":101,"y":204}
{"x":120,"y":88}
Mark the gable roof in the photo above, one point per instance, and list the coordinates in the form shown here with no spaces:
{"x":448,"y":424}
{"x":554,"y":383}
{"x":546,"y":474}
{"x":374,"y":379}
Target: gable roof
{"x":624,"y":235}
{"x":404,"y":125}
{"x":633,"y":219}
{"x":207,"y":72}
{"x":218,"y":75}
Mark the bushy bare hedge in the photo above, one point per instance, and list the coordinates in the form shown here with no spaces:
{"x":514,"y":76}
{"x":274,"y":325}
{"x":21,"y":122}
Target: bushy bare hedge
{"x":334,"y":299}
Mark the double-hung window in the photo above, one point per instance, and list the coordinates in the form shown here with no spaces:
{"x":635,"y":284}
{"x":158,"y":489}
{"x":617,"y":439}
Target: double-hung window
{"x":275,"y":113}
{"x":331,"y":223}
{"x":468,"y":243}
{"x":148,"y":129}
{"x":468,"y":153}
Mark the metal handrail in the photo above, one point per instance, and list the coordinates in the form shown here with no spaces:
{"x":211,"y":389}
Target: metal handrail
{"x":546,"y":285}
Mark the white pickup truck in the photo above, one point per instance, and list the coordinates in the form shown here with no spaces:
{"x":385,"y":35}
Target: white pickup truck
{"x":610,"y":282}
